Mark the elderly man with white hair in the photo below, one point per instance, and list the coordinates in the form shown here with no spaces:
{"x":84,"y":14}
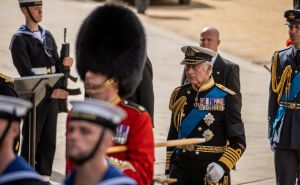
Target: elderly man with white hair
{"x":204,"y":109}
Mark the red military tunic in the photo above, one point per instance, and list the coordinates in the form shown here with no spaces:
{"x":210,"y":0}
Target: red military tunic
{"x":140,"y":142}
{"x":136,"y":133}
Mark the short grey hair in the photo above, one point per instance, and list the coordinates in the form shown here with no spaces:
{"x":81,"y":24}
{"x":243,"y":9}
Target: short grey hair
{"x":208,"y":66}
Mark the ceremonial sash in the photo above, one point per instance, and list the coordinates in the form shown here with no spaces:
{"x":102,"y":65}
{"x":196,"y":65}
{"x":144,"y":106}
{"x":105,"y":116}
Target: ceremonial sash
{"x":294,"y":90}
{"x":196,"y":115}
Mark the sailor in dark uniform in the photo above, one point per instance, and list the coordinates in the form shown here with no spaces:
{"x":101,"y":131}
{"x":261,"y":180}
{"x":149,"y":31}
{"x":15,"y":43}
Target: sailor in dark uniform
{"x":204,"y":109}
{"x":284,"y":105}
{"x":90,"y":131}
{"x":13,"y":170}
{"x":34,"y":52}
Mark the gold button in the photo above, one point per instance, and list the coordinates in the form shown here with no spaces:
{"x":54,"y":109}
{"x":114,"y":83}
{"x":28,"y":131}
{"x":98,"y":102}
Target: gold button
{"x":292,"y":105}
{"x":197,"y":153}
{"x":188,"y":92}
{"x":48,"y":71}
{"x":199,"y":128}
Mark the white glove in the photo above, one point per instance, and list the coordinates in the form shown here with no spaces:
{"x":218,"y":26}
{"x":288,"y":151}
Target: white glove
{"x":215,"y":172}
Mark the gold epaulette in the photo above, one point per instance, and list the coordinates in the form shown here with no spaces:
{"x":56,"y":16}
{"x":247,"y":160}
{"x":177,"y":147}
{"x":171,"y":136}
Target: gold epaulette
{"x":173,"y":96}
{"x":7,"y":79}
{"x":176,"y":105}
{"x":225,"y":89}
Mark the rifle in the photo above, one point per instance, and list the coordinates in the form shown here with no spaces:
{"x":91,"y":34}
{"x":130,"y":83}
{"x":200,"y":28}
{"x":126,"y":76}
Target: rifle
{"x":65,"y":52}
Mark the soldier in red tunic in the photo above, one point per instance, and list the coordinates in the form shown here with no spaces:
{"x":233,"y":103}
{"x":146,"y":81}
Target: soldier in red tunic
{"x":110,"y":53}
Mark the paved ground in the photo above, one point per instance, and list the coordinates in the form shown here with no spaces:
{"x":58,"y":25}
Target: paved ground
{"x":255,"y":167}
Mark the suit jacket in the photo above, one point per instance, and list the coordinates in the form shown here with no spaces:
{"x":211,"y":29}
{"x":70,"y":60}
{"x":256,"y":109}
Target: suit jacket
{"x":289,"y":136}
{"x":226,"y":73}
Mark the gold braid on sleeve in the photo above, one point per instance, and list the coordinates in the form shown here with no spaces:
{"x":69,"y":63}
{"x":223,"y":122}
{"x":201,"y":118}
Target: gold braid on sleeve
{"x":285,"y":78}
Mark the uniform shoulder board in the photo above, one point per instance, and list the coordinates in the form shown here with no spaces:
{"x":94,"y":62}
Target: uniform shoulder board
{"x":284,"y":49}
{"x":7,"y":79}
{"x":173,"y":96}
{"x":225,"y":89}
{"x":133,"y":105}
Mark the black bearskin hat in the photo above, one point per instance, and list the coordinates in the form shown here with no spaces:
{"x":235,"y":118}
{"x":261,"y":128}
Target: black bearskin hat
{"x":111,"y":41}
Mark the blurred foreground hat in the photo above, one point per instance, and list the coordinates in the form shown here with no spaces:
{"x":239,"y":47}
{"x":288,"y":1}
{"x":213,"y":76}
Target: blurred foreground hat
{"x":13,"y":108}
{"x":111,"y":41}
{"x":98,"y":112}
{"x":26,"y":3}
{"x":196,"y":55}
{"x":292,"y":17}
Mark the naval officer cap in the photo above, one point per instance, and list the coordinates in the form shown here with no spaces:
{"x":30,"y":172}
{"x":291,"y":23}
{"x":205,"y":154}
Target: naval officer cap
{"x":26,"y":3}
{"x":13,"y":108}
{"x":97,"y":112}
{"x":292,"y":17}
{"x":196,"y":55}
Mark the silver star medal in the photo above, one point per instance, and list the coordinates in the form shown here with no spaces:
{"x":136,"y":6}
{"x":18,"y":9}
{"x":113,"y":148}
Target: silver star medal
{"x":208,"y":134}
{"x":209,"y":119}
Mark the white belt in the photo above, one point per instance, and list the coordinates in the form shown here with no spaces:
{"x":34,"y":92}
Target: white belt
{"x":43,"y":70}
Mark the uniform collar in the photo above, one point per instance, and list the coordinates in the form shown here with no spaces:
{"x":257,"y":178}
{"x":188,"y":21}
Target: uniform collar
{"x":207,"y":85}
{"x":26,"y":31}
{"x":18,"y":164}
{"x":116,"y":100}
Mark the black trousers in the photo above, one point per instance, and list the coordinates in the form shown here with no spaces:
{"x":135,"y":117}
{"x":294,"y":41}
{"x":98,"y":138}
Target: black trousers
{"x":46,"y":122}
{"x":191,"y":172}
{"x":287,"y":164}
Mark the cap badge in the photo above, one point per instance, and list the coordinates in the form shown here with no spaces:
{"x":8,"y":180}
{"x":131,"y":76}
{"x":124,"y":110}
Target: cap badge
{"x":189,"y":52}
{"x":292,"y":16}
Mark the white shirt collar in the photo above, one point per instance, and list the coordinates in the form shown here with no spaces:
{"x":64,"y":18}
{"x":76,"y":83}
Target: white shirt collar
{"x":213,"y":60}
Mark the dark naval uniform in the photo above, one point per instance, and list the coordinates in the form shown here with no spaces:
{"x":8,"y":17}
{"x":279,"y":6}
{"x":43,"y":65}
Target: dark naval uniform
{"x":32,"y":56}
{"x":284,"y":115}
{"x":211,"y":112}
{"x":20,"y":173}
{"x":111,"y":177}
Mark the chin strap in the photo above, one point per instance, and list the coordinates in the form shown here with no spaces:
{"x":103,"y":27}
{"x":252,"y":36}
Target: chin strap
{"x":30,"y":15}
{"x":5,"y":131}
{"x":93,"y":152}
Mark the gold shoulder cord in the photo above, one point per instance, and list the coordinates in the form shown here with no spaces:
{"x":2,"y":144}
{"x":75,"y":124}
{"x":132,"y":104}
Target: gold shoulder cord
{"x":177,"y":108}
{"x":285,"y":78}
